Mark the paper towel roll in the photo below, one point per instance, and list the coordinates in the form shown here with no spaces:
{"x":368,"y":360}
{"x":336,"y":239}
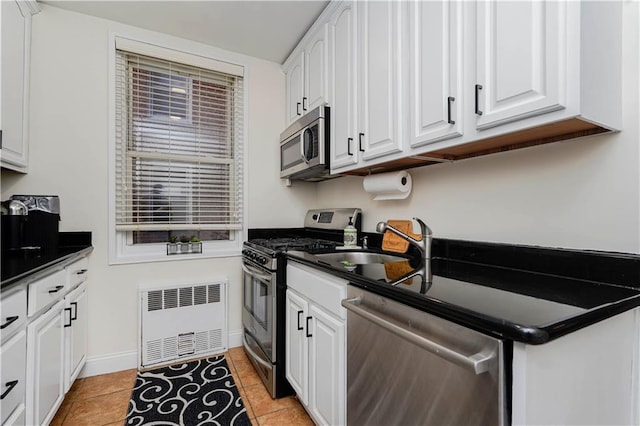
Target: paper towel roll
{"x":388,"y":186}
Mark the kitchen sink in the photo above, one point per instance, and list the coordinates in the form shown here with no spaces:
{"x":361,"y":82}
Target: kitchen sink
{"x":359,"y":257}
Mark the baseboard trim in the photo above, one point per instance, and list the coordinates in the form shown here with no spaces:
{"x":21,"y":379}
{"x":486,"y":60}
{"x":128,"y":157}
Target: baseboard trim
{"x":235,"y":338}
{"x":111,"y":363}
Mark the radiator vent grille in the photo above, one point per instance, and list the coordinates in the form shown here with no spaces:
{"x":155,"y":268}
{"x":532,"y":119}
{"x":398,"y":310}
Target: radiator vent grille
{"x":183,"y":322}
{"x":183,"y":296}
{"x":214,"y":293}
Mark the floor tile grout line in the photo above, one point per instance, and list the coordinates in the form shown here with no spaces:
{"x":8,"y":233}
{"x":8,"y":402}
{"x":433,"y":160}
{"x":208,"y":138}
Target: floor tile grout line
{"x":246,"y":400}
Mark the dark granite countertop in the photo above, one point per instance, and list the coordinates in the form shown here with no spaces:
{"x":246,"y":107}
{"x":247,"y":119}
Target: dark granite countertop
{"x":18,"y":265}
{"x":521,"y":293}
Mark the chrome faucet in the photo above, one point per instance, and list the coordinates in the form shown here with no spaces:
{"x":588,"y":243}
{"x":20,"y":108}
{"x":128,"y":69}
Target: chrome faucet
{"x":365,"y":242}
{"x":423,"y":245}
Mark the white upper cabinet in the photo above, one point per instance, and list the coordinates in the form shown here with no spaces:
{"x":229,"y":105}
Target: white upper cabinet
{"x":306,"y":75}
{"x":14,"y":86}
{"x":315,"y":70}
{"x":367,"y":78}
{"x":342,"y":35}
{"x":380,"y":70}
{"x":417,"y":83}
{"x":294,"y":77}
{"x":435,"y":58}
{"x":520,"y":60}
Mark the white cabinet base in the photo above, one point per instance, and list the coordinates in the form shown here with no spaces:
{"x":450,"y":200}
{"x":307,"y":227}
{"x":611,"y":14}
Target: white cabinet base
{"x":565,"y":381}
{"x":45,"y":366}
{"x":316,"y":343}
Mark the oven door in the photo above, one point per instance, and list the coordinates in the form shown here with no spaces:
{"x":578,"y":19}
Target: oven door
{"x":259,"y":304}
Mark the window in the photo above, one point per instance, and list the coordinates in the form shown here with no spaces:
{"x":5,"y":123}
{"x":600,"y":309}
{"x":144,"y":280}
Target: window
{"x":178,"y":151}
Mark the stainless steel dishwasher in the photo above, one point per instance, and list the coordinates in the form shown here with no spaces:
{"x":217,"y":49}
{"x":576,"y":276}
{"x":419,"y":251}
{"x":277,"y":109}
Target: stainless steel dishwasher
{"x":408,"y":367}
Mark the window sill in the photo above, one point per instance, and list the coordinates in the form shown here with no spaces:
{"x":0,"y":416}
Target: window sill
{"x":158,"y":253}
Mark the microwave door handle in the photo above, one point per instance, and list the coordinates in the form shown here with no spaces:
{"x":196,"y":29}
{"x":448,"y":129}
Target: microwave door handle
{"x":303,"y":144}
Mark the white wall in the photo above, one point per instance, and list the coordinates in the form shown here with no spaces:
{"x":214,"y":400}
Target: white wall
{"x":69,"y":157}
{"x":582,"y":194}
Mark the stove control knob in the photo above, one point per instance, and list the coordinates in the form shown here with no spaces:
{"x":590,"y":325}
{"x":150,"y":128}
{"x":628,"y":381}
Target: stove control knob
{"x":262,"y":260}
{"x":253,"y":255}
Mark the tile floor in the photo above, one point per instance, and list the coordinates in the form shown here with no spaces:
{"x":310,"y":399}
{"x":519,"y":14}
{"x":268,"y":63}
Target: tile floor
{"x":103,"y":400}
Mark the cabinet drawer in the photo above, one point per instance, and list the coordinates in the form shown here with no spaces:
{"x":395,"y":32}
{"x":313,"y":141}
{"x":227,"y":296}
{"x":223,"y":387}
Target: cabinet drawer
{"x":12,"y":389}
{"x":322,"y":289}
{"x":13,"y":313}
{"x":77,"y":272}
{"x":46,"y":291}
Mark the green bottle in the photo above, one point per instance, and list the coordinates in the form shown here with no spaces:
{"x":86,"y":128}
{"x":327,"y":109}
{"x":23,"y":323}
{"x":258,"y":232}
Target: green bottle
{"x":350,"y":234}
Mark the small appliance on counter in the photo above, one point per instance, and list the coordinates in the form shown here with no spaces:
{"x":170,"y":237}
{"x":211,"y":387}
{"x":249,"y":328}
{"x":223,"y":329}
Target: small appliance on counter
{"x":30,"y":222}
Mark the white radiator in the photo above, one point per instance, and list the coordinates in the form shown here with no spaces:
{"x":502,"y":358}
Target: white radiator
{"x":187,"y":321}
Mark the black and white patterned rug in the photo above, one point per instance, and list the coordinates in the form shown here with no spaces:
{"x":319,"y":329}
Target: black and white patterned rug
{"x":195,"y":393}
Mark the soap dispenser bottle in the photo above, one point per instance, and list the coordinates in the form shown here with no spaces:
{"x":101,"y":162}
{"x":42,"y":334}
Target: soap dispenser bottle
{"x":350,"y":234}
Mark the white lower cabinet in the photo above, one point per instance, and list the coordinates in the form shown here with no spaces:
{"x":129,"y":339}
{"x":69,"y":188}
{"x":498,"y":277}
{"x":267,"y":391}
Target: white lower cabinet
{"x":42,"y":353}
{"x":75,"y":334}
{"x":327,"y":367}
{"x":12,"y":365}
{"x":45,"y":365}
{"x":297,"y":347}
{"x":316,"y":343}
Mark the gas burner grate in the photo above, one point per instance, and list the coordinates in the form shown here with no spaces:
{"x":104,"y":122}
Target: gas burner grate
{"x":284,"y":244}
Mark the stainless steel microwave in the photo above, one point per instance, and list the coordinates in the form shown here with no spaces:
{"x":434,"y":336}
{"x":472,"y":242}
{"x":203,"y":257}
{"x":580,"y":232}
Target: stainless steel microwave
{"x":304,"y":147}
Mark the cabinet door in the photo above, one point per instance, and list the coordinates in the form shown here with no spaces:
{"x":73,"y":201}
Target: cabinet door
{"x":75,"y":334}
{"x":327,"y":372}
{"x":380,"y":67}
{"x":342,"y":30}
{"x":297,"y":353}
{"x":315,"y":70}
{"x":12,"y":365}
{"x":14,"y":57}
{"x":294,"y":81}
{"x":435,"y":52}
{"x":45,"y":366}
{"x":520,"y":58}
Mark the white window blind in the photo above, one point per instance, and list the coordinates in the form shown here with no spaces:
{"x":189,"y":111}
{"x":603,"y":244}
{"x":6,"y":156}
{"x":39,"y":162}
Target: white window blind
{"x":179,"y":139}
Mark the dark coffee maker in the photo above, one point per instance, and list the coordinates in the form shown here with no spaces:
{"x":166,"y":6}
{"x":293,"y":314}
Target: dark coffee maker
{"x":30,"y":223}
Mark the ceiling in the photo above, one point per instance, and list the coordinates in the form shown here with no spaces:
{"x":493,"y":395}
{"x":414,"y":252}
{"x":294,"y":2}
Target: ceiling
{"x":267,"y":29}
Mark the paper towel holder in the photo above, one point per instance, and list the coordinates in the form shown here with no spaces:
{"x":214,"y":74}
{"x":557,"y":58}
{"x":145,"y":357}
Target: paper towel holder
{"x":388,"y":186}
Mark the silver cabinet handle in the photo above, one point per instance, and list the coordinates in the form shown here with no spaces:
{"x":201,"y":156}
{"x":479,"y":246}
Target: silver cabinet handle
{"x":478,"y":363}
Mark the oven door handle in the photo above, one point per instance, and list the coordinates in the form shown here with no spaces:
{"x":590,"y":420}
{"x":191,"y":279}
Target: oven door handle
{"x":254,"y":355}
{"x":254,"y":272}
{"x":478,"y":363}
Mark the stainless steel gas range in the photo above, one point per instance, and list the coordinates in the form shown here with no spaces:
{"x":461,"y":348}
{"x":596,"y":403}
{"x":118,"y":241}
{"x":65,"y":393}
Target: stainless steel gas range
{"x":264,"y":288}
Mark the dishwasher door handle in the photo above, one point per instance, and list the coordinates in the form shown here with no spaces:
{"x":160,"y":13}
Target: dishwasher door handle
{"x":478,"y":363}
